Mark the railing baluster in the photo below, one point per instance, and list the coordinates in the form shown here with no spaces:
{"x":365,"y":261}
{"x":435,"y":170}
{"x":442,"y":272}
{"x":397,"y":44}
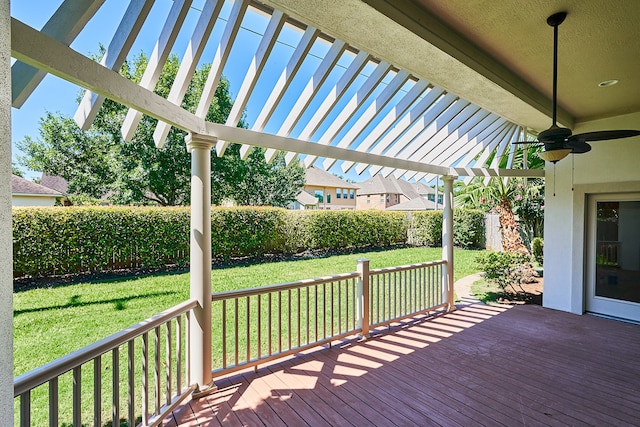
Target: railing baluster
{"x":53,"y":403}
{"x":279,"y":321}
{"x":259,"y":337}
{"x":235,"y":331}
{"x":168,"y":362}
{"x":332,"y":304}
{"x":224,"y":333}
{"x":97,"y":390}
{"x":248,"y":332}
{"x":299,"y":297}
{"x":315,"y":337}
{"x":289,"y":317}
{"x":324,"y":310}
{"x":346,"y":307}
{"x":308,"y":317}
{"x":77,"y":396}
{"x":145,"y":378}
{"x":178,"y":354}
{"x":270,"y":330}
{"x":339,"y":306}
{"x":131,"y":384}
{"x":156,"y":371}
{"x":25,"y":409}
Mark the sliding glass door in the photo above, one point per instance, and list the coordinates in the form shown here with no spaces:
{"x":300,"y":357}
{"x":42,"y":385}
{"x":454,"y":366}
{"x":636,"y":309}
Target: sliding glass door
{"x":613,"y":264}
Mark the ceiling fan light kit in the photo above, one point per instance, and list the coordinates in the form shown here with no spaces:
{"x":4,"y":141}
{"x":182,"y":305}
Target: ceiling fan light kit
{"x":554,"y":155}
{"x":558,"y":141}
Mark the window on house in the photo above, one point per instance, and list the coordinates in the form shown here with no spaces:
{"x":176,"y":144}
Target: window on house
{"x":338,"y":193}
{"x":431,"y":197}
{"x":352,"y":194}
{"x":328,"y":198}
{"x":345,"y":194}
{"x":319,"y":195}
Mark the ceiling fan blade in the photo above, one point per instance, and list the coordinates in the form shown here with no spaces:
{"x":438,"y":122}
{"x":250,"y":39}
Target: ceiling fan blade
{"x":603,"y":135}
{"x":579,"y":147}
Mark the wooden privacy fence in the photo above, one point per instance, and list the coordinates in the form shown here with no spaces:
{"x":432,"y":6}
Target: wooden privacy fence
{"x":257,"y":325}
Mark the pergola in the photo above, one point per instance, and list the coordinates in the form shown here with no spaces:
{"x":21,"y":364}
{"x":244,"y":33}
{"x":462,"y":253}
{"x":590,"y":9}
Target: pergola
{"x":352,"y":92}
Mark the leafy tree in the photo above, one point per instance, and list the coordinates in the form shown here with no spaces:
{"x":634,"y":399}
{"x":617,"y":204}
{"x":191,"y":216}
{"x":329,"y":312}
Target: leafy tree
{"x":99,"y":163}
{"x":16,"y":170}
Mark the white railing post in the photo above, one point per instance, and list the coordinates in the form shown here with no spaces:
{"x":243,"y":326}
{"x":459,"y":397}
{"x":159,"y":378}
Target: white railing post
{"x":200,"y":263}
{"x":447,"y":242}
{"x":362,"y":307}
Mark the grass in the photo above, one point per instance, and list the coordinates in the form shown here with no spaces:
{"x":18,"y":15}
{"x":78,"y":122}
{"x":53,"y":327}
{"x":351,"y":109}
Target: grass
{"x":50,"y":322}
{"x":485,"y":291}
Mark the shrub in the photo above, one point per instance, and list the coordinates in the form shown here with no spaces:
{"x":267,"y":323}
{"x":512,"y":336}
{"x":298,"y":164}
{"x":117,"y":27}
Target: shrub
{"x":426,"y":228}
{"x":506,"y":269}
{"x":537,"y":248}
{"x":353,"y":229}
{"x":468,"y":228}
{"x":53,"y":241}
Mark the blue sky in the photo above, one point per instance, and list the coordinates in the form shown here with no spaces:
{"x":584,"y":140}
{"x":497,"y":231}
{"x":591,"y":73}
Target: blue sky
{"x":56,"y":95}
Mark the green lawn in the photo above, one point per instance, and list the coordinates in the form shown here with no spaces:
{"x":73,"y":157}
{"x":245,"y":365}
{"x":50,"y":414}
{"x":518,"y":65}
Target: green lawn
{"x":52,"y":322}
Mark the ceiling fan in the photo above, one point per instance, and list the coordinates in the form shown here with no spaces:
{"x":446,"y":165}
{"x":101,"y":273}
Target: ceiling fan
{"x":558,"y":141}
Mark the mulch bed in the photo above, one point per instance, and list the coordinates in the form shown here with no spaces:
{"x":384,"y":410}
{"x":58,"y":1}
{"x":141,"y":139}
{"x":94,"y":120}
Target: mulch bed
{"x":531,"y":293}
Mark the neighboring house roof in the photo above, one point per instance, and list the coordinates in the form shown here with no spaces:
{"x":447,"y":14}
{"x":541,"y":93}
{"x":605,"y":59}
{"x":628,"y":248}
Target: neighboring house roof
{"x":417,"y":204}
{"x":55,"y":182}
{"x":306,"y":199}
{"x":391,"y":185}
{"x":319,"y":178}
{"x":424,"y":189}
{"x":24,"y":187}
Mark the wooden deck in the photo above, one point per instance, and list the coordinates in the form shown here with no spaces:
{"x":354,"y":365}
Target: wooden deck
{"x":481,"y":365}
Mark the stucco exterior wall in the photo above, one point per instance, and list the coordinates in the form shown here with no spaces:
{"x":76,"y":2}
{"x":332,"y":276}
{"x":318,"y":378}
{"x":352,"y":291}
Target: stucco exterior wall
{"x":610,"y":167}
{"x":6,"y":251}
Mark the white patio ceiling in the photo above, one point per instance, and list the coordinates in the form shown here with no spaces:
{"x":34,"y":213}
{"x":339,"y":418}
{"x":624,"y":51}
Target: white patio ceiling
{"x":323,"y":101}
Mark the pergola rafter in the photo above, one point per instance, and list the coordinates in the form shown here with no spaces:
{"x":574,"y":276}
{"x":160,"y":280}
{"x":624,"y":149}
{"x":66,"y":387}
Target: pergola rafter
{"x":351,"y":100}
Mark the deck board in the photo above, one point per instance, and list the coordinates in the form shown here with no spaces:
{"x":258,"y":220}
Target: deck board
{"x":481,"y":365}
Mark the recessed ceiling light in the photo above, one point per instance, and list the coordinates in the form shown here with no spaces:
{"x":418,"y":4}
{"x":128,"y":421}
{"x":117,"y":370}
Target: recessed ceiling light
{"x":608,"y":83}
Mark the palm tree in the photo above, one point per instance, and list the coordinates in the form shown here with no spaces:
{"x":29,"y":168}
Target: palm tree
{"x":501,"y":193}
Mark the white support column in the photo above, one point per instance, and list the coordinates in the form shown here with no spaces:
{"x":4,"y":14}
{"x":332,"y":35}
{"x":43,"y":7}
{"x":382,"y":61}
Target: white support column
{"x":200,"y":262}
{"x":447,"y":241}
{"x":6,"y":250}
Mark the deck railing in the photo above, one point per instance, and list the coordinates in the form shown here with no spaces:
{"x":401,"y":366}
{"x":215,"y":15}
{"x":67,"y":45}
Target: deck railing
{"x":156,"y":346}
{"x":261,"y":324}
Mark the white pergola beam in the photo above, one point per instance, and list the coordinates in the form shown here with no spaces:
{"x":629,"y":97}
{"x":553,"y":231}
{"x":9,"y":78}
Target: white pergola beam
{"x":192,"y":55}
{"x":309,"y":91}
{"x":114,"y":57}
{"x":420,"y":118}
{"x":480,"y":159}
{"x":283,"y":82}
{"x":157,"y":60}
{"x":370,"y":113}
{"x":352,"y":106}
{"x":64,"y":26}
{"x":392,"y":117}
{"x":332,"y":98}
{"x":36,"y":49}
{"x":489,"y":128}
{"x":253,"y":73}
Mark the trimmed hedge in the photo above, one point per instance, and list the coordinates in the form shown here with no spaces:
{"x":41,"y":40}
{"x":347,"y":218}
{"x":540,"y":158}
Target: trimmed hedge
{"x":468,"y":228}
{"x":54,"y":241}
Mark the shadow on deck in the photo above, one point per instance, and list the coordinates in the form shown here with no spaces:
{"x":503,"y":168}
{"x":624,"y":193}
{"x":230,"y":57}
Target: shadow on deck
{"x":480,"y":365}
